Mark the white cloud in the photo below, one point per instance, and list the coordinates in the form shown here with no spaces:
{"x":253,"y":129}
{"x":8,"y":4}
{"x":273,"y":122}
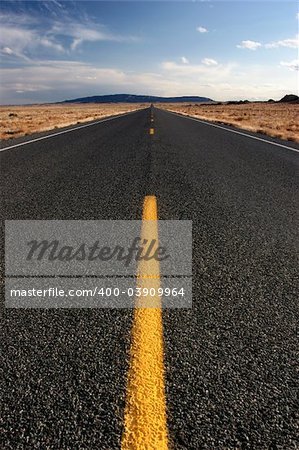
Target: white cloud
{"x":290,"y":43}
{"x":250,"y":45}
{"x":230,"y":80}
{"x":50,"y":44}
{"x":7,"y":51}
{"x":22,"y":42}
{"x":297,"y":16}
{"x":193,"y":69}
{"x":292,"y":65}
{"x":50,"y":75}
{"x":87,"y":33}
{"x":287,"y":43}
{"x":184,"y":60}
{"x":16,"y":38}
{"x":17,"y":19}
{"x":202,"y":30}
{"x":209,"y":62}
{"x":58,"y":80}
{"x":22,"y":35}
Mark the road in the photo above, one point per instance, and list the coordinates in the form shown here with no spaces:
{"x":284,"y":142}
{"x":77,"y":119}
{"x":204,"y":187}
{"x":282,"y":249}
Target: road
{"x":230,"y":361}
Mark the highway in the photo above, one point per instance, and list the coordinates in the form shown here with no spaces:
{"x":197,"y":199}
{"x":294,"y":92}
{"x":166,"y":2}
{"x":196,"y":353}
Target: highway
{"x":230,"y":360}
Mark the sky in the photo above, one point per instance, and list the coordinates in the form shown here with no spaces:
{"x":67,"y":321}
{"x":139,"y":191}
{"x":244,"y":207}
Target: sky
{"x":56,"y":50}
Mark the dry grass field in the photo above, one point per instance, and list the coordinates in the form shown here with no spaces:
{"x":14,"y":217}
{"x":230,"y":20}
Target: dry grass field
{"x":16,"y":121}
{"x":279,"y":120}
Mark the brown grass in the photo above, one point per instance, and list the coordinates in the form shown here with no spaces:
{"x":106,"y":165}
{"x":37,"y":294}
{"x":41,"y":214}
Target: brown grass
{"x":16,"y":121}
{"x":277,"y":120}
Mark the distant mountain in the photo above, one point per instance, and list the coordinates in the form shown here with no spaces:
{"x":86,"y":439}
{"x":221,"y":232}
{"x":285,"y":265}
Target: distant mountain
{"x":290,"y":98}
{"x":127,"y":98}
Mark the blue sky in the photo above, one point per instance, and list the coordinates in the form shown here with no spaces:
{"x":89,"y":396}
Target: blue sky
{"x":54,"y":50}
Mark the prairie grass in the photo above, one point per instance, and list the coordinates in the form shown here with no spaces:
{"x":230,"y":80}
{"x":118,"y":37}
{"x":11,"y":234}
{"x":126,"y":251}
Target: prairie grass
{"x":16,"y":121}
{"x":278,"y":120}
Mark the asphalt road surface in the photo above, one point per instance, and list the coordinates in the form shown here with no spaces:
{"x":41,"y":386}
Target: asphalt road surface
{"x":230,"y":361}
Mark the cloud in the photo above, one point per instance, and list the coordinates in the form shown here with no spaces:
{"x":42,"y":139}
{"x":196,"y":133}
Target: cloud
{"x":23,"y":42}
{"x":7,"y":51}
{"x":229,"y":81}
{"x":209,"y":62}
{"x":12,"y":54}
{"x":250,"y":45}
{"x":297,"y":16}
{"x":51,"y":74}
{"x":202,"y":30}
{"x":184,"y":60}
{"x":18,"y":19}
{"x":289,"y":43}
{"x":292,"y":65}
{"x":209,"y":71}
{"x":23,"y":35}
{"x":80,"y":33}
{"x":50,"y":44}
{"x":56,"y":80}
{"x":16,"y":38}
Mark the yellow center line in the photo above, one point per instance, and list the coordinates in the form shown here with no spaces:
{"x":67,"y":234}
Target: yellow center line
{"x":145,"y":424}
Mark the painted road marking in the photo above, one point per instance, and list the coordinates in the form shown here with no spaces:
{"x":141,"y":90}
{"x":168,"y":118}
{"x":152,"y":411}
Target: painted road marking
{"x":234,"y":131}
{"x":145,"y":423}
{"x":68,"y":131}
{"x":152,"y":131}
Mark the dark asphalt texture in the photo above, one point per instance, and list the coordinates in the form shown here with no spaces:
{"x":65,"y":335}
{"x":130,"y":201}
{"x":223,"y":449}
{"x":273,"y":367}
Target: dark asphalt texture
{"x":231,"y":359}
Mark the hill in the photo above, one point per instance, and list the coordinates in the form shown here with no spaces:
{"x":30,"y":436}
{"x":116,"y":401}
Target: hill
{"x":127,"y":98}
{"x":290,"y":98}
